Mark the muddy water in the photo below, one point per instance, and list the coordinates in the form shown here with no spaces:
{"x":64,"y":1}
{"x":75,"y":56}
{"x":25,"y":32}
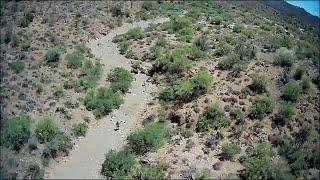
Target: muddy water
{"x":84,"y":162}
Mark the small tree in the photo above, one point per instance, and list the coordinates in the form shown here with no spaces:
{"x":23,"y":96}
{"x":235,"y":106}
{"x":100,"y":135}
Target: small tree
{"x":118,"y":164}
{"x":15,"y":132}
{"x":150,"y":138}
{"x":46,"y":129}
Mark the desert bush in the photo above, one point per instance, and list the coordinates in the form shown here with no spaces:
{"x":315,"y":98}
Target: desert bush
{"x":195,"y":53}
{"x":16,"y":66}
{"x":259,"y":165}
{"x":15,"y":132}
{"x":161,"y":42}
{"x":150,"y":5}
{"x":61,"y":143}
{"x":179,"y":23}
{"x":116,"y":10}
{"x":223,"y":49}
{"x":150,"y":138}
{"x":119,"y":38}
{"x":33,"y":143}
{"x":248,"y":32}
{"x":150,"y":172}
{"x":305,"y":84}
{"x":284,"y":58}
{"x":184,"y":91}
{"x":203,"y":175}
{"x":300,"y":71}
{"x":259,"y":83}
{"x":217,"y":20}
{"x":227,"y":62}
{"x":229,"y":38}
{"x":167,"y":94}
{"x":123,"y":47}
{"x":81,"y":47}
{"x":26,"y":19}
{"x":230,"y":150}
{"x":238,"y":28}
{"x":202,"y":81}
{"x":201,"y":43}
{"x":120,"y":79}
{"x":102,"y":101}
{"x":34,"y":172}
{"x":213,"y":117}
{"x":53,"y":55}
{"x":75,"y":59}
{"x":46,"y":129}
{"x":287,"y":110}
{"x":134,"y":33}
{"x":262,"y":106}
{"x":118,"y":164}
{"x":90,"y":73}
{"x":8,"y":35}
{"x":306,"y":50}
{"x":291,"y":91}
{"x":80,"y":129}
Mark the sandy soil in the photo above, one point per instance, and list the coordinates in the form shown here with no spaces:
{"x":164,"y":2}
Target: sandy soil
{"x":86,"y":158}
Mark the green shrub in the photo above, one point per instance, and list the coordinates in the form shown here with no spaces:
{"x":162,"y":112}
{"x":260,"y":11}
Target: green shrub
{"x":134,"y":33}
{"x":230,"y":150}
{"x":120,"y":79}
{"x":46,"y":129}
{"x":291,"y":91}
{"x":8,"y":34}
{"x":185,"y":90}
{"x":161,"y":42}
{"x":300,"y":71}
{"x":150,"y":138}
{"x":306,"y":50}
{"x":90,"y":74}
{"x":150,"y":172}
{"x":149,"y":5}
{"x":102,"y":100}
{"x":227,"y":62}
{"x":217,"y":20}
{"x":248,"y":32}
{"x":16,"y":66}
{"x":74,"y":60}
{"x":202,"y":81}
{"x":287,"y":110}
{"x":34,"y":172}
{"x":53,"y":55}
{"x":305,"y":84}
{"x":223,"y":49}
{"x":118,"y":164}
{"x":238,"y":28}
{"x":259,"y":83}
{"x":119,"y":38}
{"x":259,"y":165}
{"x":167,"y":94}
{"x":284,"y":58}
{"x":201,"y":43}
{"x":80,"y":129}
{"x":123,"y":48}
{"x":15,"y":132}
{"x":61,"y":143}
{"x":203,"y":175}
{"x":116,"y":10}
{"x":26,"y":19}
{"x":178,"y":23}
{"x":262,"y":106}
{"x":213,"y":117}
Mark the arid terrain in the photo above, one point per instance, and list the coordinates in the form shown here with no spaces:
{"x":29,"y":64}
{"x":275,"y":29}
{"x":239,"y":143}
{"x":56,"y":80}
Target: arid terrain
{"x":159,"y":89}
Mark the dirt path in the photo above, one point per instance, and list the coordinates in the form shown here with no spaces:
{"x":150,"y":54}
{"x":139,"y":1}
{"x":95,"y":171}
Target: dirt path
{"x":86,"y":158}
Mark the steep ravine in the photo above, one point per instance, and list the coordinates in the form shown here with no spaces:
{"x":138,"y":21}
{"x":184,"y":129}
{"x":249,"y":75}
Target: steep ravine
{"x":84,"y":161}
